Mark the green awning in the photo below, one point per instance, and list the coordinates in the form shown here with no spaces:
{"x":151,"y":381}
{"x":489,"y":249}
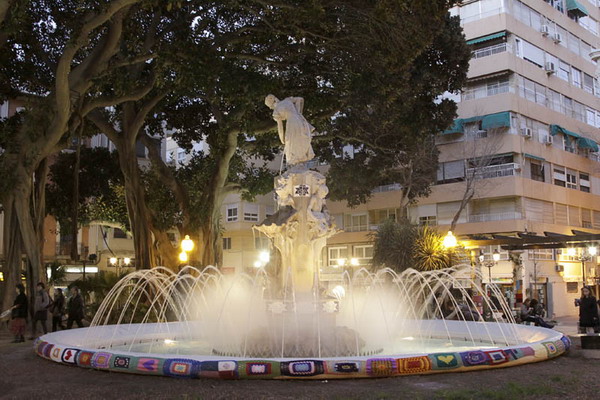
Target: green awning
{"x":577,"y":8}
{"x":586,"y":143}
{"x":498,"y":120}
{"x":534,"y":157}
{"x":456,"y":127}
{"x":556,"y":129}
{"x":487,"y":37}
{"x":472,"y":119}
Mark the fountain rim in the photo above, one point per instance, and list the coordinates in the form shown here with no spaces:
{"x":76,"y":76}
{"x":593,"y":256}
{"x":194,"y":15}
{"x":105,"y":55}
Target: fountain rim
{"x":57,"y":347}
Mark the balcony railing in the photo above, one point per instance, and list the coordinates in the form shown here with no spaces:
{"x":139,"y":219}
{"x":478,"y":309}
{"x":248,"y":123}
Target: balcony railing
{"x":495,"y":171}
{"x":488,"y":51}
{"x":505,"y":216}
{"x":387,"y":188}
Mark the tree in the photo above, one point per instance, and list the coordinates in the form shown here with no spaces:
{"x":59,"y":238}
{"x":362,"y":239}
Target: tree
{"x":402,"y":245}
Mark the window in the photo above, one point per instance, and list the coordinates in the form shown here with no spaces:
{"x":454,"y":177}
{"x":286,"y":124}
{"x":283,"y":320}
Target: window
{"x":452,"y":171}
{"x":497,"y":86}
{"x":180,"y":155}
{"x":119,"y":234}
{"x":559,"y":176}
{"x":576,"y":77}
{"x":363,"y":253}
{"x":356,"y":222}
{"x":533,"y":54}
{"x":584,"y":182}
{"x":232,"y":213}
{"x":588,"y":83}
{"x":571,"y":179}
{"x":251,"y":212}
{"x":430,"y":220}
{"x":541,"y":254}
{"x":226,"y":243}
{"x":586,"y":218}
{"x":574,"y":216}
{"x":564,"y":71}
{"x":572,"y":287}
{"x":269,"y":210}
{"x":378,"y":217}
{"x":336,"y":253}
{"x":537,"y":171}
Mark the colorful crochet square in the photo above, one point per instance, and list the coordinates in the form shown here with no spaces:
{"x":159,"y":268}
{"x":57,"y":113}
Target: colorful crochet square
{"x":567,"y":342}
{"x":39,"y":347}
{"x":527,"y":351}
{"x":560,"y":346}
{"x":302,"y":368}
{"x":414,"y":365}
{"x":69,"y":356}
{"x":514,"y":354}
{"x":47,"y":350}
{"x":218,"y":369}
{"x":497,"y":357}
{"x":84,"y":358}
{"x":258,"y":369}
{"x":381,"y":366}
{"x":56,"y":354}
{"x":121,"y":362}
{"x":551,"y":349}
{"x":180,"y":368}
{"x":444,"y":360}
{"x":346,"y":367}
{"x":149,"y":365}
{"x":101,"y":360}
{"x":474,"y":358}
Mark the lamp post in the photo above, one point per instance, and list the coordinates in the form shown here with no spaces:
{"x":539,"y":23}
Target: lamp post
{"x":119,"y":262}
{"x":586,"y":255}
{"x":449,"y":244}
{"x":489,"y":264}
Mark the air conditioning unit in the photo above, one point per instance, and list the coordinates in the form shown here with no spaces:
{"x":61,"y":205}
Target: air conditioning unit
{"x":480,"y":134}
{"x":557,"y":37}
{"x":550,"y":67}
{"x":559,"y":268}
{"x":548,"y":140}
{"x":517,"y":167}
{"x":545,"y":30}
{"x":527,"y":132}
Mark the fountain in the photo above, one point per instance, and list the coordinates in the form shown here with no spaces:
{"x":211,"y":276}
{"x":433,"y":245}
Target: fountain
{"x":285,"y":322}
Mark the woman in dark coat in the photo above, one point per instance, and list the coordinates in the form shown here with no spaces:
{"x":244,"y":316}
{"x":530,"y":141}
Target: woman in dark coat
{"x":18,"y":322}
{"x":588,"y":311}
{"x":75,"y":308}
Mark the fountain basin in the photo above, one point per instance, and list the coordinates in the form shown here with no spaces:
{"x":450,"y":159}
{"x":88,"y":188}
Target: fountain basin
{"x":166,"y":349}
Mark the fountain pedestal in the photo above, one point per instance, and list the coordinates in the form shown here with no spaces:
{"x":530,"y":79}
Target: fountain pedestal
{"x":300,"y":228}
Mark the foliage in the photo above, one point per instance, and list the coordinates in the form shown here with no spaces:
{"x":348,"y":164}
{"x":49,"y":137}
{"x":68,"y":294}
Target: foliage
{"x":402,"y":245}
{"x":57,"y":273}
{"x":99,"y":179}
{"x":95,"y":288}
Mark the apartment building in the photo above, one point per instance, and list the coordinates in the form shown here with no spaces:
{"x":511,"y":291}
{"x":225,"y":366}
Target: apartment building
{"x":527,"y":131}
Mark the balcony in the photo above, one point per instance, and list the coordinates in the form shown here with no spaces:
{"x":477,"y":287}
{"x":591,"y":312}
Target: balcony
{"x":495,"y":171}
{"x":489,"y":51}
{"x":504,"y":216}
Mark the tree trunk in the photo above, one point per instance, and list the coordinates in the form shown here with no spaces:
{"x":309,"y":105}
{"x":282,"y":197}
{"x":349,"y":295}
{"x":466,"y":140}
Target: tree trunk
{"x":75,"y":203}
{"x":211,"y":250}
{"x":139,"y":215}
{"x":12,"y":245}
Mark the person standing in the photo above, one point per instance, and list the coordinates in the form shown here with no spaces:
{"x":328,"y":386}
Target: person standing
{"x":18,"y":321}
{"x":40,"y":310}
{"x":75,"y":308}
{"x":588,"y":310}
{"x":58,"y":309}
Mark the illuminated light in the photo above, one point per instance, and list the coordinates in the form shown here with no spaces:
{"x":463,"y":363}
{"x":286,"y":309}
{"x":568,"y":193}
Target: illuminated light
{"x":257,"y":264}
{"x":113,"y":260}
{"x":339,"y":292}
{"x":496,"y":256}
{"x":408,"y":338}
{"x":91,"y":270}
{"x":264,"y":256}
{"x":183,"y":257}
{"x":450,"y":241}
{"x":341,"y":262}
{"x":48,"y":273}
{"x":187,"y":244}
{"x":593,"y":250}
{"x":127,"y":261}
{"x":1,"y":276}
{"x":169,"y":342}
{"x":354,"y":262}
{"x":572,"y":251}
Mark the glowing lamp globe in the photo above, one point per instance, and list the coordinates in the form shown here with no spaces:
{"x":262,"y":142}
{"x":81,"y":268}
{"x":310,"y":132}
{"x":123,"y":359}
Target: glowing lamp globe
{"x":113,"y":260}
{"x":187,"y":244}
{"x":183,"y":257}
{"x":450,"y":241}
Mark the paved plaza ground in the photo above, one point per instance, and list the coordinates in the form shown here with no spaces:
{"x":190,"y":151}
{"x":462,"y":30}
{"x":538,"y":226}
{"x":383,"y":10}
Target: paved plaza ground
{"x":23,"y":375}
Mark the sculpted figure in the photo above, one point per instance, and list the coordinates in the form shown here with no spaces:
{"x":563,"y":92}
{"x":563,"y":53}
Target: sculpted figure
{"x":298,"y":132}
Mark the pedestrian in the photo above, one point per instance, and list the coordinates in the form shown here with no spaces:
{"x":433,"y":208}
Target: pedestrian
{"x":528,"y":309}
{"x":40,"y":310}
{"x":18,"y":321}
{"x":58,"y":309}
{"x":588,"y":310}
{"x":75,"y":308}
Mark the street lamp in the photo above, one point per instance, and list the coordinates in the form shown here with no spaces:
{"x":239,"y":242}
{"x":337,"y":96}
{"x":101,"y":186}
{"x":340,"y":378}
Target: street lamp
{"x":113,"y":261}
{"x":586,"y":255}
{"x":489,"y":264}
{"x":187,"y":245}
{"x":450,"y":241}
{"x":342,"y":262}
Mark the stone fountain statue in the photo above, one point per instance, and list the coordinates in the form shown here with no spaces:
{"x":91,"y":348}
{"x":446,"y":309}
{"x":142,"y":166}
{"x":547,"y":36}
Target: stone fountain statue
{"x":302,"y":224}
